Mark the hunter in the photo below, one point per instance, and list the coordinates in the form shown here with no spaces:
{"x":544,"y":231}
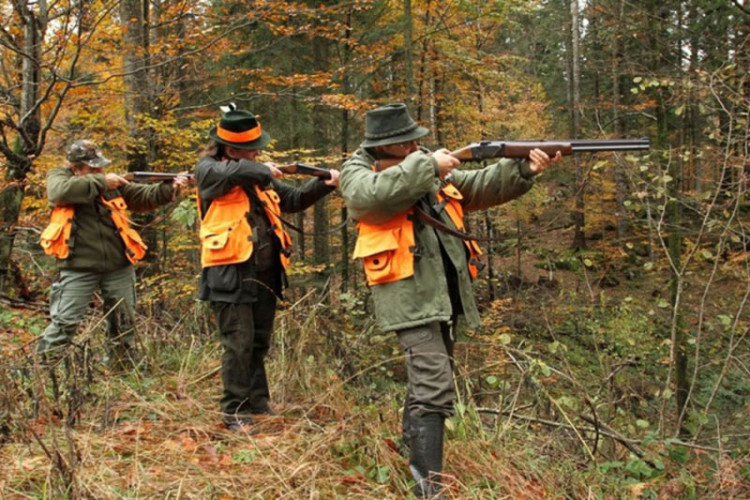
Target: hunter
{"x":96,"y":247}
{"x":245,"y":252}
{"x":409,"y":204}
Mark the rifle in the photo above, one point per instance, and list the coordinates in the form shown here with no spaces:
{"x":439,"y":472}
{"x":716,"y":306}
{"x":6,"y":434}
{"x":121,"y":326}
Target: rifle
{"x":153,"y":176}
{"x":486,"y":150}
{"x":305,"y":169}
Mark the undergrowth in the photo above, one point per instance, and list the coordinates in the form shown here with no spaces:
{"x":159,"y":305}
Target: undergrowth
{"x":562,"y":401}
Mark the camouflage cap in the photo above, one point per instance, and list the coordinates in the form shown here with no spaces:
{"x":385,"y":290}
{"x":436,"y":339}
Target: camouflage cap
{"x":87,"y":152}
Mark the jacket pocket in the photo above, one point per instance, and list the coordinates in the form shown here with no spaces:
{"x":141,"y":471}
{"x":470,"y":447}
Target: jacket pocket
{"x":377,"y":251}
{"x":53,"y":240}
{"x":135,"y":248}
{"x":220,"y":246}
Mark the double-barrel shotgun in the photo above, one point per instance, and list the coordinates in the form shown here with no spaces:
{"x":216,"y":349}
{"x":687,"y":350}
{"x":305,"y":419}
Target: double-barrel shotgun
{"x":486,"y":150}
{"x":153,"y":176}
{"x":292,"y":168}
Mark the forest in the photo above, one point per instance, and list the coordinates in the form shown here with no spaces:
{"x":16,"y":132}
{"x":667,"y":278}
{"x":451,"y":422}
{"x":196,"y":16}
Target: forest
{"x":612,"y":359}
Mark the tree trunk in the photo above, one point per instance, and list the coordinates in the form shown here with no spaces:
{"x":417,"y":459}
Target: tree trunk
{"x":19,"y":164}
{"x":423,"y":87}
{"x":579,"y":238}
{"x":408,"y":53}
{"x":138,"y":104}
{"x":621,"y":185}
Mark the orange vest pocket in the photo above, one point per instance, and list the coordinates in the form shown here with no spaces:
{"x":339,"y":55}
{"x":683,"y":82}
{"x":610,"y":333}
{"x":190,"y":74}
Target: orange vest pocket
{"x":135,"y":248}
{"x":55,"y":239}
{"x":385,"y":256}
{"x":225,"y":243}
{"x":52,"y":241}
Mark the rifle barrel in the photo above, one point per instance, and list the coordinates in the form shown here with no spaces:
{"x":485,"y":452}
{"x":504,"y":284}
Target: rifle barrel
{"x":593,"y":145}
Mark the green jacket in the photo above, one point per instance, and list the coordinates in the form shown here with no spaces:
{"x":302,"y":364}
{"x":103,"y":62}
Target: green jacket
{"x":95,"y":244}
{"x":375,"y":197}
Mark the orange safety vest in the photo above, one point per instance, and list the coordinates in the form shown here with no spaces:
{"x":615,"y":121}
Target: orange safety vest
{"x":450,"y":198}
{"x":55,"y":239}
{"x":387,"y":250}
{"x":226,"y":236}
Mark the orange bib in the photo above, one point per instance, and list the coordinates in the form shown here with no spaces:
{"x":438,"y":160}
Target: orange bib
{"x":225,"y":234}
{"x":55,"y":239}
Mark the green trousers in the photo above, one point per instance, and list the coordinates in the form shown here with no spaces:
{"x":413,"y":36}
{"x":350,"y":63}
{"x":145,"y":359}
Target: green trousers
{"x":245,"y":334}
{"x":429,"y":365}
{"x":70,"y":296}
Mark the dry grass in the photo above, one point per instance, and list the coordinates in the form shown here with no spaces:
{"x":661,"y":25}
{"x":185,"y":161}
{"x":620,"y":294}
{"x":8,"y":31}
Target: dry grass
{"x":156,"y":432}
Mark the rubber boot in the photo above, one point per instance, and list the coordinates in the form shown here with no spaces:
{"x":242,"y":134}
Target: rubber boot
{"x":426,"y":455}
{"x":406,"y":432}
{"x":121,"y":355}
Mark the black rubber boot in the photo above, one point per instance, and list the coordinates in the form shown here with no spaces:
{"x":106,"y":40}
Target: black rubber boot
{"x":426,"y":455}
{"x":406,"y":432}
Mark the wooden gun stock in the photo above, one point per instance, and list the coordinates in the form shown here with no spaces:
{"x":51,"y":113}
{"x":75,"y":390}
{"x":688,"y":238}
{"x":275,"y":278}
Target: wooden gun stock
{"x":304,"y":169}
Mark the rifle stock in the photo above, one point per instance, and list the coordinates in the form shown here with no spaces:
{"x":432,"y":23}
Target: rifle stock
{"x":153,"y":176}
{"x":305,"y":169}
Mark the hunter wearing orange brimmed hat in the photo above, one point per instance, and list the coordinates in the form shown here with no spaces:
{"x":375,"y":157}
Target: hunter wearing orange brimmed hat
{"x":244,"y":253}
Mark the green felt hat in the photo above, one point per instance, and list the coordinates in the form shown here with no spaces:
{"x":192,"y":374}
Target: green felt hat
{"x":390,"y":124}
{"x":239,"y":129}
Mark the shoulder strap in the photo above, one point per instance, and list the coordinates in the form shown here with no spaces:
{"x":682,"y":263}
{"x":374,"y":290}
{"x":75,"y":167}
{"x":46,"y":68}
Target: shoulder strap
{"x":429,"y":220}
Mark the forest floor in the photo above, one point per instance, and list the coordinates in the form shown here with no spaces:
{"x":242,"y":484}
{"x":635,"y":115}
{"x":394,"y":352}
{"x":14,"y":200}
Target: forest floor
{"x":558,"y":346}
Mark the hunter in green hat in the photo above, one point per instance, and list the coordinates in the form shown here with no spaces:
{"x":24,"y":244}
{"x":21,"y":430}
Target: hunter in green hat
{"x":409,"y":204}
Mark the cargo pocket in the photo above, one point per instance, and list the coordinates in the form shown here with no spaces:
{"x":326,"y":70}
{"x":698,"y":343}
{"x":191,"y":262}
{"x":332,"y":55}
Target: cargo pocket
{"x":377,"y":251}
{"x":219,"y":247}
{"x":53,"y":242}
{"x":413,"y":337}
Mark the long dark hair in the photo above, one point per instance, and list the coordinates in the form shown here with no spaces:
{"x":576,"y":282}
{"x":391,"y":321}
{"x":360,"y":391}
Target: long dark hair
{"x":214,"y":150}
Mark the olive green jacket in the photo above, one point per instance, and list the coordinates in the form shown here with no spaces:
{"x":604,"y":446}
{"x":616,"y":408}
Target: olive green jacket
{"x":95,"y":244}
{"x":375,"y":197}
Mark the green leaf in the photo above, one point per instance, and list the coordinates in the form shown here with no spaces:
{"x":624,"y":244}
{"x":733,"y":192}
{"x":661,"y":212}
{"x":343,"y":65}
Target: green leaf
{"x":641,"y":424}
{"x":679,"y":454}
{"x":383,"y":475}
{"x":505,"y":339}
{"x":607,"y":466}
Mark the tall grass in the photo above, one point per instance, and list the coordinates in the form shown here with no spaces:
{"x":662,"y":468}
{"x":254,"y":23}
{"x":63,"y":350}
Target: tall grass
{"x":80,"y":430}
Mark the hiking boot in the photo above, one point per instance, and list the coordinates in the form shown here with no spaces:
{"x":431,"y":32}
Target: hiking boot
{"x":262,"y":409}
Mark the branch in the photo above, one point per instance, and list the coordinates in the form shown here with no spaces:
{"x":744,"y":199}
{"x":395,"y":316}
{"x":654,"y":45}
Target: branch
{"x":741,"y":7}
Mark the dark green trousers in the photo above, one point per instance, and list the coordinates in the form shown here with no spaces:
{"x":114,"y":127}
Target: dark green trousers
{"x":429,"y":365}
{"x":245,"y":333}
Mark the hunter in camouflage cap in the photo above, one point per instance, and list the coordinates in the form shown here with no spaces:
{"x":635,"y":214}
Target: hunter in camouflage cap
{"x":86,"y":152}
